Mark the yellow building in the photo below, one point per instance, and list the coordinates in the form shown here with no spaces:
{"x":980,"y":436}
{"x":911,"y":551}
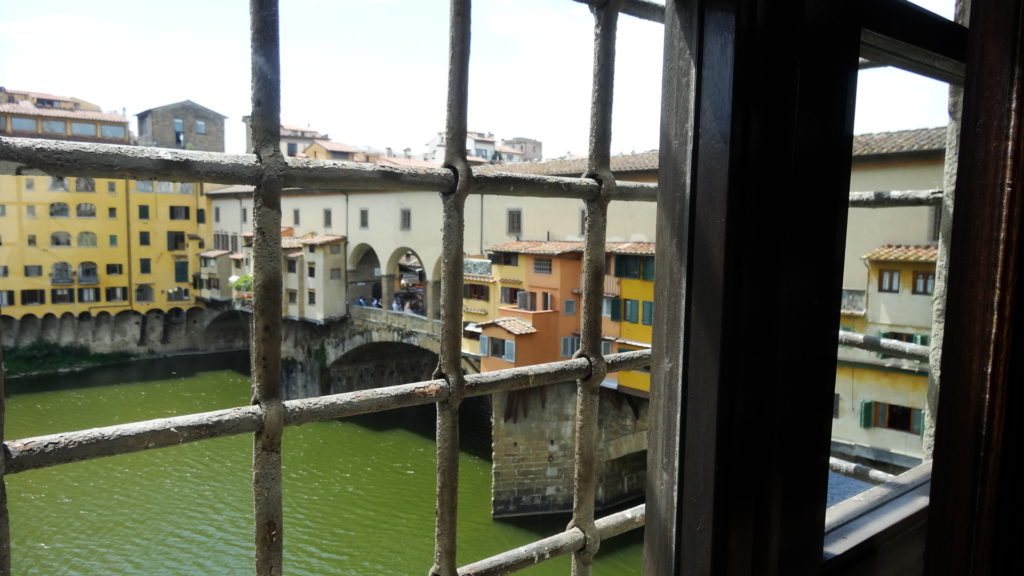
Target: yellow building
{"x":633,"y":266}
{"x":78,"y":245}
{"x":879,"y":399}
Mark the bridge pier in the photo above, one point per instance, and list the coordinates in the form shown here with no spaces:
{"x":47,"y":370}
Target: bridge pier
{"x":532,"y":466}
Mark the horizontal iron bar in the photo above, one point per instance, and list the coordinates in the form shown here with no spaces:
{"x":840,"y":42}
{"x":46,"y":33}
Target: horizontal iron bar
{"x":898,"y":33}
{"x":63,"y":158}
{"x":895,"y":198}
{"x":642,"y":9}
{"x":54,"y":449}
{"x":858,"y":471}
{"x":553,"y":546}
{"x":896,"y":348}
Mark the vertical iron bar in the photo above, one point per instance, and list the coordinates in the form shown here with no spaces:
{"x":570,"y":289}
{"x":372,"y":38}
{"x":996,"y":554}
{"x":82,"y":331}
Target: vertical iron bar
{"x":5,"y":520}
{"x":588,"y":389}
{"x":452,"y":232}
{"x":954,"y":106}
{"x":266,"y":335}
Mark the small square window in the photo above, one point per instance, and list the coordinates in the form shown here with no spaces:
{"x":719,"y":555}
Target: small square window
{"x":143,"y":238}
{"x":542,"y":265}
{"x":405,"y":219}
{"x":112,"y":212}
{"x":144,"y":266}
{"x":364,"y":218}
{"x":200,"y":127}
{"x":312,"y":297}
{"x":514,"y":221}
{"x":889,"y":281}
{"x":143,"y":212}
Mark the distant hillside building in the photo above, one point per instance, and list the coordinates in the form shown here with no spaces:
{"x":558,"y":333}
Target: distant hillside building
{"x":530,"y":149}
{"x":185,"y":125}
{"x":294,"y":139}
{"x":38,"y":115}
{"x":482,"y":148}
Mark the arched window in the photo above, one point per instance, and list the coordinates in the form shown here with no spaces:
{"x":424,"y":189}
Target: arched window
{"x":60,"y":239}
{"x":143,"y":293}
{"x":59,"y":210}
{"x":86,"y":210}
{"x":61,"y":273}
{"x":88,"y":273}
{"x":84,"y":184}
{"x":86,"y":238}
{"x":58,"y":184}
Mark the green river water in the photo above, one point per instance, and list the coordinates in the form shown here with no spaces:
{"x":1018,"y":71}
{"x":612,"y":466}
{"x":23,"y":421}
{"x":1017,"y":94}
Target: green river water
{"x":359,"y":495}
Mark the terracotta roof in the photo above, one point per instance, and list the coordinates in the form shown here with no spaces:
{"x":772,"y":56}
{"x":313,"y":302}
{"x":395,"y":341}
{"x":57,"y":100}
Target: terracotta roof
{"x":516,"y":326}
{"x":556,"y":247}
{"x":919,"y":140}
{"x":28,"y":109}
{"x":478,"y":278}
{"x":411,"y":162}
{"x":294,"y":255}
{"x":290,"y":242}
{"x":642,"y":162}
{"x":322,"y":240}
{"x":213,"y":253}
{"x":902,"y":141}
{"x":525,"y":247}
{"x":642,"y":248}
{"x":481,"y":136}
{"x":237,"y":256}
{"x":899,"y":253}
{"x":183,"y":103}
{"x":507,"y":149}
{"x":335,"y":146}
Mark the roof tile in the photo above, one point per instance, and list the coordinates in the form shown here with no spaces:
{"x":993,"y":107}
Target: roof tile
{"x":516,"y":326}
{"x":901,"y":253}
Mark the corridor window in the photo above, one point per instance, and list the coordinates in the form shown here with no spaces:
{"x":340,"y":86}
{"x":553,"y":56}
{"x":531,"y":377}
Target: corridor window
{"x":405,"y":222}
{"x":364,"y":218}
{"x":891,"y":416}
{"x":515,"y":221}
{"x":889,"y":281}
{"x":924,"y":283}
{"x":476,"y":292}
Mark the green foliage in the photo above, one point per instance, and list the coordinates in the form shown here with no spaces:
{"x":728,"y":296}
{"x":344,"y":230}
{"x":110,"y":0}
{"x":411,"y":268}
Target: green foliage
{"x":244,"y":283}
{"x":42,"y":357}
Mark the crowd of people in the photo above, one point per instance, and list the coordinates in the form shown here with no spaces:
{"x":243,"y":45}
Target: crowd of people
{"x":408,"y":303}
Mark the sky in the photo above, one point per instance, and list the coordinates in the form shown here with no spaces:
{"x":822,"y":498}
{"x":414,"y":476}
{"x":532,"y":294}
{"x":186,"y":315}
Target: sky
{"x":374,"y":72}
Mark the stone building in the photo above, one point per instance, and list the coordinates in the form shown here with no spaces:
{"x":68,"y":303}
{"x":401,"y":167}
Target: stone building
{"x":185,"y":125}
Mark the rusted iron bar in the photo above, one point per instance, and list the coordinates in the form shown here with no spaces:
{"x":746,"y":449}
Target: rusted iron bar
{"x":858,"y":471}
{"x":5,"y":520}
{"x":896,"y":348}
{"x":596,"y":219}
{"x":267,"y":285}
{"x":452,"y":235}
{"x":898,"y":33}
{"x":54,"y":449}
{"x":554,"y":546}
{"x":642,"y":9}
{"x":895,"y":198}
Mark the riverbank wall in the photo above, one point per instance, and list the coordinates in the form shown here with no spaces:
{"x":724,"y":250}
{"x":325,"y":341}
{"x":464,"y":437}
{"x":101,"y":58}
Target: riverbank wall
{"x":151,"y":334}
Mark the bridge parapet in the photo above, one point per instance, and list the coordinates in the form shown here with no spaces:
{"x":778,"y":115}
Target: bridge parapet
{"x":397,"y":320}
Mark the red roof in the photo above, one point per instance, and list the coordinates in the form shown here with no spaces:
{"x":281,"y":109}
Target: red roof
{"x":516,"y":326}
{"x":900,"y":253}
{"x":27,"y":109}
{"x":335,"y":146}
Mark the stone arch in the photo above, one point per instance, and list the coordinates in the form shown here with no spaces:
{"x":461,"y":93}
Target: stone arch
{"x":49,"y":328}
{"x":102,"y":329}
{"x":227,"y":330}
{"x":380,"y":364}
{"x":410,"y":280}
{"x":8,"y":333}
{"x":29,"y":328}
{"x":127,"y":325}
{"x":365,"y":274}
{"x":68,"y":329}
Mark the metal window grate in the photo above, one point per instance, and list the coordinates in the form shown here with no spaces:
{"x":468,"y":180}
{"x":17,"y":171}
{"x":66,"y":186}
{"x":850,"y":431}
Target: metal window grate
{"x":270,"y":171}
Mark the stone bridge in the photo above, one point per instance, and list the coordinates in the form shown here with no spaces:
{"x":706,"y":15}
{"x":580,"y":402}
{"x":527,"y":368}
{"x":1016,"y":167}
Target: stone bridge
{"x":370,"y":348}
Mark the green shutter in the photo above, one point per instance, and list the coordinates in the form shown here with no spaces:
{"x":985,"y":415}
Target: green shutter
{"x":181,"y":271}
{"x":648,"y":272}
{"x":648,"y":313}
{"x":616,"y":310}
{"x":618,"y":266}
{"x":867,"y":413}
{"x":483,"y":345}
{"x":917,"y":421}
